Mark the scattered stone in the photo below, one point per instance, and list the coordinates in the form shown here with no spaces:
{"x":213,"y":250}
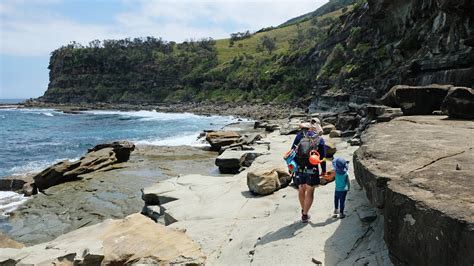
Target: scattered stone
{"x":335,"y":134}
{"x":458,"y":166}
{"x":355,"y":142}
{"x":459,"y":103}
{"x":317,"y":262}
{"x":328,"y":128}
{"x":367,"y":215}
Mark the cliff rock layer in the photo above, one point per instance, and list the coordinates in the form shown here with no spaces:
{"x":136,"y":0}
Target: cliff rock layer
{"x":419,"y":170}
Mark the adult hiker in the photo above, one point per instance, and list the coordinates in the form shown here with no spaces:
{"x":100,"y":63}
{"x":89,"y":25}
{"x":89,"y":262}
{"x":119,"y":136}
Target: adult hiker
{"x":310,"y":149}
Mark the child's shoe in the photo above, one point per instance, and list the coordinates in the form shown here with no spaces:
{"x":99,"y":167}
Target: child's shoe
{"x":334,"y":214}
{"x":342,"y":215}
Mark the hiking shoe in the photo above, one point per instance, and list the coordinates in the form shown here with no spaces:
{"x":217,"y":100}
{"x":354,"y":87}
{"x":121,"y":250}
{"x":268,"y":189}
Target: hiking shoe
{"x":305,"y":218}
{"x":342,"y":215}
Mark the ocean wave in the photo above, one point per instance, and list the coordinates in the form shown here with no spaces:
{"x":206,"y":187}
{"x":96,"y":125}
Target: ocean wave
{"x":35,"y":166}
{"x":9,"y":201}
{"x":47,"y":114}
{"x":186,"y":140}
{"x":150,"y":115}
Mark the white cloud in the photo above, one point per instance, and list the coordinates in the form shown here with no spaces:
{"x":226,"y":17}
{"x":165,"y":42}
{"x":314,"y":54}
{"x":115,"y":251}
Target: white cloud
{"x":31,"y":28}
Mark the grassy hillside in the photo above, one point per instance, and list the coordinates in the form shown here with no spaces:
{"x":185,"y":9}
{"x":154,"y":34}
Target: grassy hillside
{"x":282,"y":36}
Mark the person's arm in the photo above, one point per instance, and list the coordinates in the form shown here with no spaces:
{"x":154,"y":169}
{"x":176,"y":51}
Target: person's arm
{"x":296,"y":141}
{"x":322,"y":148}
{"x":348,"y":182}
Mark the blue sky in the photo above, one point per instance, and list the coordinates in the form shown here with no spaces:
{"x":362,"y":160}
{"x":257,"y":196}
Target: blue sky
{"x":31,"y":29}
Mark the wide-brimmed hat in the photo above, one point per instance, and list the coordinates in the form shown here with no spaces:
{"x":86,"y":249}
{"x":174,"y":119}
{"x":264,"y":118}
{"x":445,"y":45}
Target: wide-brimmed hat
{"x":313,"y":127}
{"x":340,"y":165}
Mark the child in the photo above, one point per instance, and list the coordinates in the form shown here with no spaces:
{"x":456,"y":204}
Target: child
{"x":343,"y":184}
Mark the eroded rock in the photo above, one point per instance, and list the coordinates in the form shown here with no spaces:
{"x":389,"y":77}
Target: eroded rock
{"x":221,"y":138}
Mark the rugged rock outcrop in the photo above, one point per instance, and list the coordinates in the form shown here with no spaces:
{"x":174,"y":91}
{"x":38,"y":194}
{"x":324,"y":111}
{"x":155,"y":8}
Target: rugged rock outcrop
{"x":99,"y":157}
{"x":419,"y":170}
{"x":134,"y":239}
{"x":459,"y":103}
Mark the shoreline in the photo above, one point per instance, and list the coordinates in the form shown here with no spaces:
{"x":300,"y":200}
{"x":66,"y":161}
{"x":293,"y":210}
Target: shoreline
{"x":254,"y":111}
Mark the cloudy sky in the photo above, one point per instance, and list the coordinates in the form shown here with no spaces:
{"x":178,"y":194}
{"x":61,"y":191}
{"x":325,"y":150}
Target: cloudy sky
{"x":31,"y":29}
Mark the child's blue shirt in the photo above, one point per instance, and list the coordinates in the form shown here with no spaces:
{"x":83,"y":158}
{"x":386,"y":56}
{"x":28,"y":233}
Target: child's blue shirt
{"x":341,"y":182}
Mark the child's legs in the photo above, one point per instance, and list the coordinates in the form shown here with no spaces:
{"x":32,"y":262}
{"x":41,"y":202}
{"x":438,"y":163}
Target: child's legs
{"x":342,"y":200}
{"x":336,"y":200}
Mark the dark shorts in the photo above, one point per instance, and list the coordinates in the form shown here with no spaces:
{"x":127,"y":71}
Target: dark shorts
{"x":311,"y":179}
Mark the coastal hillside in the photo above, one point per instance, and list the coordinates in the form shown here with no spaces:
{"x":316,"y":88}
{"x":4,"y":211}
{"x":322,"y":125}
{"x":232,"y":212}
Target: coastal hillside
{"x":352,"y":54}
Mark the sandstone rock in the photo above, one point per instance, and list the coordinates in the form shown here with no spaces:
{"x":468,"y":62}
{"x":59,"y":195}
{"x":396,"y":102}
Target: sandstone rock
{"x":407,"y":168}
{"x":327,"y":128}
{"x":221,"y":138}
{"x":134,"y":239}
{"x":99,"y":157}
{"x":6,"y":242}
{"x":122,"y":149}
{"x":231,"y":162}
{"x":459,"y":103}
{"x":417,"y":100}
{"x":335,"y":134}
{"x":268,"y":177}
{"x":11,"y":184}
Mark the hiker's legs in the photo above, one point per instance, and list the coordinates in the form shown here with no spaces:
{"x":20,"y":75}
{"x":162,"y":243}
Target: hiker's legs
{"x":301,"y":194}
{"x":343,"y":200}
{"x":308,"y":199}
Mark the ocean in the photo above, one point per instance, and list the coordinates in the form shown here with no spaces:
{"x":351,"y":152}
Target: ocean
{"x":33,"y":139}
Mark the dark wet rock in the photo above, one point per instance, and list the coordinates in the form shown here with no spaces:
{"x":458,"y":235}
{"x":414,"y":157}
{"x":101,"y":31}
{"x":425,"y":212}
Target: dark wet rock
{"x":222,"y":138}
{"x":417,"y":100}
{"x":459,"y":103}
{"x":102,"y":195}
{"x":348,"y":133}
{"x":11,"y":184}
{"x":408,"y":169}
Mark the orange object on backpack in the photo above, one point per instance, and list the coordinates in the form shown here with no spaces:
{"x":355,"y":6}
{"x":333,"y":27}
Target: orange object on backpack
{"x":314,"y":157}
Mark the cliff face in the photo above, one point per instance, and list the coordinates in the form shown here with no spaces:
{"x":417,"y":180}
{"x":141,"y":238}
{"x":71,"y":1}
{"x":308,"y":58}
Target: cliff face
{"x":355,"y":54}
{"x":385,"y":43}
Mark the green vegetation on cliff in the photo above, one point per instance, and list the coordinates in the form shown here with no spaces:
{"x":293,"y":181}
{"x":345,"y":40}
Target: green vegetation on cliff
{"x":355,"y":53}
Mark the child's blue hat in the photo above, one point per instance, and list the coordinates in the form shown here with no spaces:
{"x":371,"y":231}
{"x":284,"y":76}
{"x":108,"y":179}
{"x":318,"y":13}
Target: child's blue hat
{"x":340,"y":165}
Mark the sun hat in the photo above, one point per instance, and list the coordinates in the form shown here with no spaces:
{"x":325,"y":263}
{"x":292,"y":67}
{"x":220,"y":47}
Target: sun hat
{"x":340,"y":165}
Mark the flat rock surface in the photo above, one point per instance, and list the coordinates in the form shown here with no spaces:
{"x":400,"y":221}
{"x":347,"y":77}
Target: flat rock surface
{"x":134,"y":239}
{"x":102,"y":195}
{"x":235,"y":227}
{"x":420,"y":154}
{"x":420,"y":170}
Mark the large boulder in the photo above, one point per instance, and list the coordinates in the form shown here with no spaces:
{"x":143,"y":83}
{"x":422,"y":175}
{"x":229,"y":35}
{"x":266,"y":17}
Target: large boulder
{"x":97,"y":158}
{"x":459,"y":103}
{"x":267,"y":176}
{"x":417,"y":100}
{"x":230,"y":161}
{"x":419,"y":171}
{"x":135,"y":239}
{"x":221,"y":138}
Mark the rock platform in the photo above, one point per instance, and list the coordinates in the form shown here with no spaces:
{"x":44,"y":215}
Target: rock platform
{"x":419,"y":170}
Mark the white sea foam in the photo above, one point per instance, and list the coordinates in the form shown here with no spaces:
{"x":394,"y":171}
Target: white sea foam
{"x":187,"y":140}
{"x":152,"y":115}
{"x":35,"y":166}
{"x":9,"y":201}
{"x":47,"y":114}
